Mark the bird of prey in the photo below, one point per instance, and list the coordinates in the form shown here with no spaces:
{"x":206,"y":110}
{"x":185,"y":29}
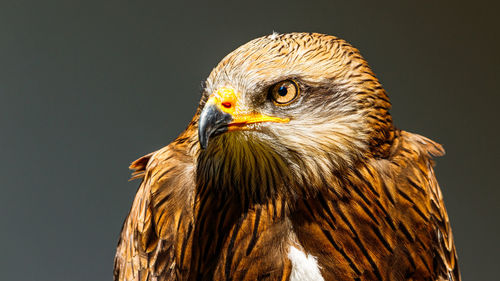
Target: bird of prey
{"x":291,"y":169}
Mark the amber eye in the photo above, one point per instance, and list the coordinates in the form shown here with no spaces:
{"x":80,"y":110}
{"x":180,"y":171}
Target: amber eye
{"x":284,"y":92}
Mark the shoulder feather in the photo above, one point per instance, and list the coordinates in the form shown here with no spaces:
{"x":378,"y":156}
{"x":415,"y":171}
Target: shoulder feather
{"x":149,"y":242}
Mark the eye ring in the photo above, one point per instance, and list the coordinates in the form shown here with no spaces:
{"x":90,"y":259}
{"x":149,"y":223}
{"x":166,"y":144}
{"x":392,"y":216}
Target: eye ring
{"x":284,"y":92}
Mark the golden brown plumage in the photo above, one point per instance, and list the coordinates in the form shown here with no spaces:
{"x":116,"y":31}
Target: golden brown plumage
{"x":325,"y":172}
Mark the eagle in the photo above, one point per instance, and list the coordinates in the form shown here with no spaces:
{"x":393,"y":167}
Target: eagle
{"x":291,"y":169}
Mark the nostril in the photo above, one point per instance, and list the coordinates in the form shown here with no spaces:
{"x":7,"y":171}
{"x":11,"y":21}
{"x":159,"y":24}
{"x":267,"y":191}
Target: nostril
{"x":226,"y":104}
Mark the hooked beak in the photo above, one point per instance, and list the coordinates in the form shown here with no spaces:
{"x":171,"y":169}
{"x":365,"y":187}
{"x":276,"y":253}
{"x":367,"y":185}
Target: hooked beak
{"x":212,"y":122}
{"x":223,"y":113}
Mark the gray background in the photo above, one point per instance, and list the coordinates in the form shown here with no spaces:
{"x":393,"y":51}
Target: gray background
{"x":86,"y":87}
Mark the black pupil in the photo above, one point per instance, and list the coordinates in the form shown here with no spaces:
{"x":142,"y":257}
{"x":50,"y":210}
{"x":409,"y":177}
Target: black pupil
{"x":282,"y":91}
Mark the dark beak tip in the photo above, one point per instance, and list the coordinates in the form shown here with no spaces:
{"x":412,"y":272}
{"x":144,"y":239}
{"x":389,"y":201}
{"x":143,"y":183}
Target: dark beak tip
{"x":203,"y":141}
{"x":202,"y":136}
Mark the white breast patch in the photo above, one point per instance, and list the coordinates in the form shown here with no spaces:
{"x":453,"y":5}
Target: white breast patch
{"x":304,"y":267}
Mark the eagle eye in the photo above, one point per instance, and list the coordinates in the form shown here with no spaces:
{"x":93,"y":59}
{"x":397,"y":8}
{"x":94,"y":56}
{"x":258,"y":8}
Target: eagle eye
{"x":284,"y":92}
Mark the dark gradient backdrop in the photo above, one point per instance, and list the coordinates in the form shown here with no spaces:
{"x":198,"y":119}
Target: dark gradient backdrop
{"x":88,"y":86}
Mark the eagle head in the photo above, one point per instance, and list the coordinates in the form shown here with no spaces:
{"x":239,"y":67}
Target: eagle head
{"x":284,"y":110}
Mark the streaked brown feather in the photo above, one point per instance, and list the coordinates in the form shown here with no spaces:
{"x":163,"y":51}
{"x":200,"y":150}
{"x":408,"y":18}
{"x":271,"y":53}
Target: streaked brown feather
{"x":362,"y":234}
{"x":155,"y":236}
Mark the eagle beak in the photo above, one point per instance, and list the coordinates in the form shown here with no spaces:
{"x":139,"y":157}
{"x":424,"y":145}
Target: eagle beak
{"x":212,"y":122}
{"x":223,"y":113}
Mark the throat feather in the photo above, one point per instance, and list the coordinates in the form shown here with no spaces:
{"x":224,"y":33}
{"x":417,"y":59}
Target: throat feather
{"x":243,"y":167}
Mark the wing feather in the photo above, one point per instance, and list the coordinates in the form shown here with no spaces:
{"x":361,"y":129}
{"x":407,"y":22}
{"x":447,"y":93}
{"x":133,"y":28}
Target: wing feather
{"x":426,"y":196}
{"x":153,"y":236}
